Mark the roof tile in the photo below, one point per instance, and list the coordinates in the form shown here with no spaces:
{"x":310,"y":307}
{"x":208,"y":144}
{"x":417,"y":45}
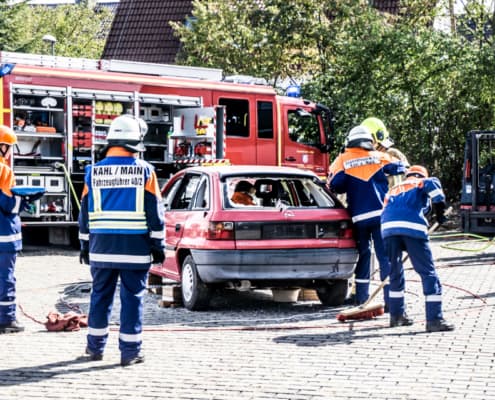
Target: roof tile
{"x":140,"y":29}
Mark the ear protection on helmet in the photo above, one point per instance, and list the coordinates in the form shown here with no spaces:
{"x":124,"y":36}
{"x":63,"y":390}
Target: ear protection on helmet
{"x":380,"y":135}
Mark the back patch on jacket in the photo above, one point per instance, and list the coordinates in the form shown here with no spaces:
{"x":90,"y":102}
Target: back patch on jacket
{"x":117,"y":176}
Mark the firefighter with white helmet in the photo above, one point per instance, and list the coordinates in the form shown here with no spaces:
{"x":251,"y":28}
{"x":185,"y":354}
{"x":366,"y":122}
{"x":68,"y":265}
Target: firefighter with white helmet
{"x":127,"y":132}
{"x":121,"y":231}
{"x":361,"y":172}
{"x":404,"y":228}
{"x":10,"y":236}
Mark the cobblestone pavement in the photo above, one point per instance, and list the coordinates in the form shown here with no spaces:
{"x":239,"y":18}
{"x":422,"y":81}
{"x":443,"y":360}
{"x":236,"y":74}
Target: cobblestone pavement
{"x":249,"y":347}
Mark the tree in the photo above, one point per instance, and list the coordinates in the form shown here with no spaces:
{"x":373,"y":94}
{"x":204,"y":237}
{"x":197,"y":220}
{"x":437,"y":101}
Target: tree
{"x":273,"y":39}
{"x":80,"y":29}
{"x":10,"y":23}
{"x":429,"y":87}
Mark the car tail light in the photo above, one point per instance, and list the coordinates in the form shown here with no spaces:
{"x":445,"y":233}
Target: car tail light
{"x":221,"y":231}
{"x":345,"y":231}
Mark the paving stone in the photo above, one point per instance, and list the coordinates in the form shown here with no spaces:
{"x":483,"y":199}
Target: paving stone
{"x":248,"y":347}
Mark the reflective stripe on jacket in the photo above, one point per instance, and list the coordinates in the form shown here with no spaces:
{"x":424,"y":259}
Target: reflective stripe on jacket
{"x":362,"y":174}
{"x":121,"y":212}
{"x":10,"y":223}
{"x":406,"y":205}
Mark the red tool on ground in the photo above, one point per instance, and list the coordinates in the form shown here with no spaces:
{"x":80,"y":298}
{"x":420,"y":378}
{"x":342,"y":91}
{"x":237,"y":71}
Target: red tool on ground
{"x":366,"y":310}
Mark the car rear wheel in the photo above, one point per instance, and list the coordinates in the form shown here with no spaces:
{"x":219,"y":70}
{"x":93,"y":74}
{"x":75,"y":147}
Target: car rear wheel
{"x":332,"y":293}
{"x":195,"y":293}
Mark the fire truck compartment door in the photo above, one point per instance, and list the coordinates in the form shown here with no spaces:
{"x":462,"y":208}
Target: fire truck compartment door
{"x":102,"y":95}
{"x":195,"y":122}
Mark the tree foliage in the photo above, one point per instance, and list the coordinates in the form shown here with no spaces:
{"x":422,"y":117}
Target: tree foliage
{"x":10,"y":23}
{"x":429,"y":87}
{"x":80,"y":29}
{"x":273,"y":39}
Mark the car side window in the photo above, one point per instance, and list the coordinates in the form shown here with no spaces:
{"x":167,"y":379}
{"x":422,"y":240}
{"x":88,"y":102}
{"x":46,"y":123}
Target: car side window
{"x":202,"y":199}
{"x":171,"y":193}
{"x":185,"y":193}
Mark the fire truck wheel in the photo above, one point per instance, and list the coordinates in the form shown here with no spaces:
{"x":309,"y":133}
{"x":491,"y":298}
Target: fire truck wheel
{"x":195,"y":293}
{"x":332,"y":293}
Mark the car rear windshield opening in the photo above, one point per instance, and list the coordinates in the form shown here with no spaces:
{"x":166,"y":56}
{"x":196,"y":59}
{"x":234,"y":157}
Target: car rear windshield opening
{"x":245,"y":191}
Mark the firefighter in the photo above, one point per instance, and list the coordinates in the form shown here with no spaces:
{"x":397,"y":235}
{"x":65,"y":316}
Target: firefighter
{"x":10,"y":236}
{"x":244,"y":194}
{"x":361,"y":172}
{"x":404,"y":228}
{"x":122,"y":232}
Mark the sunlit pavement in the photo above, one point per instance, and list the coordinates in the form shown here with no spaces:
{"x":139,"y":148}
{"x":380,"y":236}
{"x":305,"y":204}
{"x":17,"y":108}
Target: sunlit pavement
{"x":249,"y":347}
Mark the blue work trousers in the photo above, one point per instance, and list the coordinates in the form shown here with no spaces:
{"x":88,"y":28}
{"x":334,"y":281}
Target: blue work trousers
{"x":364,"y":234}
{"x":422,"y":260}
{"x":7,"y":287}
{"x":132,"y":289}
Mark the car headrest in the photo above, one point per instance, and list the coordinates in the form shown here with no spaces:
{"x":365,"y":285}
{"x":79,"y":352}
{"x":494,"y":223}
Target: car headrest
{"x":265,"y":187}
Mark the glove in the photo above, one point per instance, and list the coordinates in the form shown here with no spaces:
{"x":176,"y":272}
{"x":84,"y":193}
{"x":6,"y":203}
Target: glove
{"x":441,"y":219}
{"x":84,"y":253}
{"x":84,"y":256}
{"x":439,"y":209}
{"x":158,"y":256}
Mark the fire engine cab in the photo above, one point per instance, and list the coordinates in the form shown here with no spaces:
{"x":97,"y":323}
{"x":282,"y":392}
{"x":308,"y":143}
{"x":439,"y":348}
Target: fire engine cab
{"x":61,"y":109}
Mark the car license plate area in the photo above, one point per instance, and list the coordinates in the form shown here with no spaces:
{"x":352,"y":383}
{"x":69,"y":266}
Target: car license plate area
{"x":271,"y":231}
{"x":288,"y":231}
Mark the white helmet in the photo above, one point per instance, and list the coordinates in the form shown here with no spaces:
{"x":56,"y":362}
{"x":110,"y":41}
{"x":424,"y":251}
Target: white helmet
{"x":127,"y":131}
{"x":360,"y":136}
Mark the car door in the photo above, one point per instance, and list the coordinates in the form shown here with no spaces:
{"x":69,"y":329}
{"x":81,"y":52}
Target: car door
{"x":179,"y":206}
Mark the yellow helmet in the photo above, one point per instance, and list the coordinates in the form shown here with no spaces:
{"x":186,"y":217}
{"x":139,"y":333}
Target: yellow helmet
{"x":7,"y":135}
{"x":378,"y":131}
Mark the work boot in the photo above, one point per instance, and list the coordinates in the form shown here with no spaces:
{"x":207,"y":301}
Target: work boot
{"x":93,"y":356}
{"x":351,"y":300}
{"x":400,"y":320}
{"x":11,"y":327}
{"x":131,"y":361}
{"x":439,"y":325}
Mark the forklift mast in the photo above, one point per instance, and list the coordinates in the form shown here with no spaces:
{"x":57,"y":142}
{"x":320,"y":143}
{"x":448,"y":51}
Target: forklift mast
{"x":478,"y":183}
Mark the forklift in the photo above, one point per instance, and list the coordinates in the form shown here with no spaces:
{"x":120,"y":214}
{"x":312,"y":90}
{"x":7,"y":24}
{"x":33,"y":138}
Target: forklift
{"x":477,"y":207}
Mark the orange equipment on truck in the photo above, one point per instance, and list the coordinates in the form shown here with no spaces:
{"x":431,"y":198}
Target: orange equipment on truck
{"x":61,"y":109}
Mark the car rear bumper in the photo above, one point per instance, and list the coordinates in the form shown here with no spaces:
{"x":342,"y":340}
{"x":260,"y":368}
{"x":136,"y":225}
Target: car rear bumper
{"x":286,"y":264}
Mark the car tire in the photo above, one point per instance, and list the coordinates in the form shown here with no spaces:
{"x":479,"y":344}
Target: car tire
{"x":332,"y":293}
{"x":195,"y":293}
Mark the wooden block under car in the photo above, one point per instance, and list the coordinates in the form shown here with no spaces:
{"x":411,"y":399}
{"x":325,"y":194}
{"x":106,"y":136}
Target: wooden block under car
{"x":308,"y":295}
{"x":171,"y":296}
{"x":155,"y":284}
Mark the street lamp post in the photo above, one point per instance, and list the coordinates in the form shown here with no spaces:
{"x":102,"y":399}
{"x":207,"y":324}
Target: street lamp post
{"x":52,"y":40}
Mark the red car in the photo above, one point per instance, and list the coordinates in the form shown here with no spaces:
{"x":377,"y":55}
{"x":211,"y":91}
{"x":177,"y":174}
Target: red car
{"x":294,"y":234}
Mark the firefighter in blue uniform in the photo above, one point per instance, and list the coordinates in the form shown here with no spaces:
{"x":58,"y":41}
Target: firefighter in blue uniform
{"x":405,"y":228}
{"x":361,"y":172}
{"x":10,"y":236}
{"x":121,"y":232}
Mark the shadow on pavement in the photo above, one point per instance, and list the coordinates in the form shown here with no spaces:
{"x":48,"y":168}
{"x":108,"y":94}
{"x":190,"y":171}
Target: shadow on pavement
{"x":227,"y":309}
{"x":341,"y":338}
{"x":26,"y":375}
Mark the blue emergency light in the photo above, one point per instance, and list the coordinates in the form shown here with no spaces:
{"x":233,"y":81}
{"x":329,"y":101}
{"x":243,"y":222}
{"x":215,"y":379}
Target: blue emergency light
{"x":6,"y":69}
{"x":293,"y":91}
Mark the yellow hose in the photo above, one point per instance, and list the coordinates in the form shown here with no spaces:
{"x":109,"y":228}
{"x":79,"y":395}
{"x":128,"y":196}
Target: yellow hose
{"x":69,"y":180}
{"x":478,"y":238}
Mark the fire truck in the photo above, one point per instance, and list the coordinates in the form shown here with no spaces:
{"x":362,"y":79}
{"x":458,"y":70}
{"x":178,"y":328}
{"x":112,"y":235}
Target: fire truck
{"x":61,"y":109}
